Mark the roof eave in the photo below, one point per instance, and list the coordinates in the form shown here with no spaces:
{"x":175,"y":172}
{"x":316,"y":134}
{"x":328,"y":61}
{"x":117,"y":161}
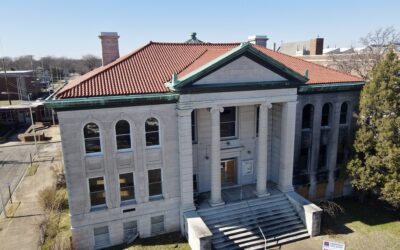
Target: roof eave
{"x":110,"y":101}
{"x":330,"y":87}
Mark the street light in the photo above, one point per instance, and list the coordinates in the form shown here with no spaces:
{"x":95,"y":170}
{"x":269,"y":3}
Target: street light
{"x":32,"y":121}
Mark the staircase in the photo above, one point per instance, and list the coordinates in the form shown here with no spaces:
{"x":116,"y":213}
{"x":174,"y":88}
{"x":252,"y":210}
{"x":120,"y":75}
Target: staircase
{"x":254,"y":224}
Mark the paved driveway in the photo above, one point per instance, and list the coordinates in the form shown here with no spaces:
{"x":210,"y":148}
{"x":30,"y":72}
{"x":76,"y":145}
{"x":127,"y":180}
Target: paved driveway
{"x":13,"y":162}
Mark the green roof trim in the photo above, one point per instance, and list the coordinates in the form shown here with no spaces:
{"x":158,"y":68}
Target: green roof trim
{"x":110,"y":101}
{"x":230,"y":55}
{"x":330,"y":87}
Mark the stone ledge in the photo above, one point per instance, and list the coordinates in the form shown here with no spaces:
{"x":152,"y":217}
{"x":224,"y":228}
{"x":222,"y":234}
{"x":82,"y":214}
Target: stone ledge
{"x":309,"y":213}
{"x":198,"y":234}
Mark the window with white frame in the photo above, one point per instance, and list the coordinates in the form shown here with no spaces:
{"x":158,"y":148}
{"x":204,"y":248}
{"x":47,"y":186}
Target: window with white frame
{"x":91,"y":133}
{"x":152,"y":132}
{"x":228,"y":122}
{"x":157,"y":225}
{"x":101,"y":237}
{"x":130,"y":230}
{"x":155,"y":182}
{"x":123,"y":135}
{"x":127,"y":187}
{"x":97,"y":191}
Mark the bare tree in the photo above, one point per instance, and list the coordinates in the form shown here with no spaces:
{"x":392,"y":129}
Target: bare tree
{"x":91,"y":61}
{"x":375,"y":45}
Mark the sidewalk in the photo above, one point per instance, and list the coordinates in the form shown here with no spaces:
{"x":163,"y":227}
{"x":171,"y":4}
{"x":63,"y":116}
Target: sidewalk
{"x":22,"y":231}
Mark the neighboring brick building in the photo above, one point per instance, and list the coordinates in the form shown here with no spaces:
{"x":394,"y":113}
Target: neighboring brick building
{"x":19,"y":84}
{"x":174,"y":136}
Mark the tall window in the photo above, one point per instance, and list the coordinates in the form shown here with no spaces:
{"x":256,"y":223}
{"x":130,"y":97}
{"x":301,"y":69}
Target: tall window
{"x":123,"y":135}
{"x":97,"y":191}
{"x":343,"y":113}
{"x":194,"y":129}
{"x":308,"y":116}
{"x":91,"y":133}
{"x":228,"y":122}
{"x":304,"y":160}
{"x":152,"y":132}
{"x":257,"y":119}
{"x":127,"y":187}
{"x":325,"y":115}
{"x":155,"y":183}
{"x":322,"y":161}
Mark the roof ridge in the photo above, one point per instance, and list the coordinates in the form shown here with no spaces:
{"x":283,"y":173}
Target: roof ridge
{"x":318,"y":65}
{"x":187,"y":66}
{"x":197,"y":44}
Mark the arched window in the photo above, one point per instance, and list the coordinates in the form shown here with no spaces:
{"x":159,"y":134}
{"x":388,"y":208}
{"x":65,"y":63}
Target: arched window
{"x":308,"y":116}
{"x":343,"y":113}
{"x":325,"y":115}
{"x":91,"y":134}
{"x":152,"y":132}
{"x":123,"y":135}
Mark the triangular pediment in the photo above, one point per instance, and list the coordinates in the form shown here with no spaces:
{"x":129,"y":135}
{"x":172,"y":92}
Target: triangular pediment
{"x":241,"y":70}
{"x":241,"y":67}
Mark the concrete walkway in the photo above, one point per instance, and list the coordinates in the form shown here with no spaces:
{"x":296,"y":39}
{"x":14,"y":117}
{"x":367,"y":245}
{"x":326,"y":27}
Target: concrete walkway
{"x":22,"y":231}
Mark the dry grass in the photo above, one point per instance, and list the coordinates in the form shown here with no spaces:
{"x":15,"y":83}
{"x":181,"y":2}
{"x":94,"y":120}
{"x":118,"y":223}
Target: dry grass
{"x":31,"y":171}
{"x":11,"y":208}
{"x":163,"y":242}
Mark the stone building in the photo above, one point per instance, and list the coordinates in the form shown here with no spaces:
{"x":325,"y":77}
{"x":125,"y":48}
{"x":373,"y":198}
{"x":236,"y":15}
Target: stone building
{"x":209,"y":139}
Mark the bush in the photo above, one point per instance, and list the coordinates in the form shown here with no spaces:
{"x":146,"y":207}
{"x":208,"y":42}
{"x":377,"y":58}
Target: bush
{"x":52,"y":199}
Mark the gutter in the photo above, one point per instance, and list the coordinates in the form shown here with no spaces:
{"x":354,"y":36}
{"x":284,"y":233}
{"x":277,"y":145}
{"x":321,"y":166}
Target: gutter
{"x":329,"y":87}
{"x":110,"y":101}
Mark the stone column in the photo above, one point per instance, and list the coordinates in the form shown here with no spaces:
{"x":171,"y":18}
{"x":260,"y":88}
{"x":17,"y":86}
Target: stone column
{"x":332,"y":149}
{"x":216,"y":198}
{"x":262,"y":152}
{"x":185,"y":159}
{"x":288,"y":124}
{"x":315,"y":142}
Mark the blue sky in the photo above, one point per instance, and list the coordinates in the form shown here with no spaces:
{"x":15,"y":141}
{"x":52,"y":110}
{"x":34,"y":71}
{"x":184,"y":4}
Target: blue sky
{"x":70,"y":28}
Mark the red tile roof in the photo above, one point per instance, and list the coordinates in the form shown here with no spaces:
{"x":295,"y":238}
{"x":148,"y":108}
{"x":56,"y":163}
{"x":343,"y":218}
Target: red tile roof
{"x":148,"y":68}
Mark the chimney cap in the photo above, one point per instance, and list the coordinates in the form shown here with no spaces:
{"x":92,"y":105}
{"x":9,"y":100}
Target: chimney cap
{"x":254,"y":37}
{"x":109,"y":34}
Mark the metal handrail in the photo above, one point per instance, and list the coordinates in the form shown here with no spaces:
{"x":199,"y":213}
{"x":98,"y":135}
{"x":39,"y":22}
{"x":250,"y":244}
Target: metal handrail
{"x":258,"y":225}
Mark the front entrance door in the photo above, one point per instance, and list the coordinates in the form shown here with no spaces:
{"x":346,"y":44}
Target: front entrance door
{"x":228,"y":172}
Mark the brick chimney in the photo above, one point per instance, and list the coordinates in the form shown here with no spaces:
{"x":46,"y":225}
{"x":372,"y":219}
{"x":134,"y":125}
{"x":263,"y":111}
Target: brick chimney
{"x":316,"y":46}
{"x":109,"y":47}
{"x":258,"y":40}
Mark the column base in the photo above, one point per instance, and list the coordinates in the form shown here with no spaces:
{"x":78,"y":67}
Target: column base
{"x":216,"y":204}
{"x":285,"y":189}
{"x":263,"y":195}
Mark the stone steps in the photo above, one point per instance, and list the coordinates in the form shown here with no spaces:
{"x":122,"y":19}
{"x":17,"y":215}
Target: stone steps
{"x":237,"y":225}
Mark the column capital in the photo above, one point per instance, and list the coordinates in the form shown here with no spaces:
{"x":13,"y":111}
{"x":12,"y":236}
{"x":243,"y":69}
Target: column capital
{"x":184,"y":112}
{"x":265,"y":106}
{"x":216,"y":109}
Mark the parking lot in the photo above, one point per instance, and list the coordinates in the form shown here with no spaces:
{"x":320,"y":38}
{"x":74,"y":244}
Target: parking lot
{"x":15,"y":157}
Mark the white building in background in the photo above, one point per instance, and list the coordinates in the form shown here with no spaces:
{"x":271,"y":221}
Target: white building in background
{"x":193,"y":136}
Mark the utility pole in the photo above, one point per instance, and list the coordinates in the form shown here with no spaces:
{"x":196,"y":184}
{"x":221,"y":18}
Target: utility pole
{"x":5,"y":78}
{"x":33,"y":122}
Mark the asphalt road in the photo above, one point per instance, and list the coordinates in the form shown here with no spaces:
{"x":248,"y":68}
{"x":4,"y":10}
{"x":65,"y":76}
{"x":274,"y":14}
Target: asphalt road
{"x":13,"y":162}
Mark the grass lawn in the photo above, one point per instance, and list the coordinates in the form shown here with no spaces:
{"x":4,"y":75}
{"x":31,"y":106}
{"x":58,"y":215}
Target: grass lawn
{"x":361,"y":226}
{"x":166,"y":241}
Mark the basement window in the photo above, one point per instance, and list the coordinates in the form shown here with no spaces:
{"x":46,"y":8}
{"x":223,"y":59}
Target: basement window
{"x":157,"y":225}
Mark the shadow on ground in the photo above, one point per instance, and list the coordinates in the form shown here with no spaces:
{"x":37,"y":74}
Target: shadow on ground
{"x":372,"y":212}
